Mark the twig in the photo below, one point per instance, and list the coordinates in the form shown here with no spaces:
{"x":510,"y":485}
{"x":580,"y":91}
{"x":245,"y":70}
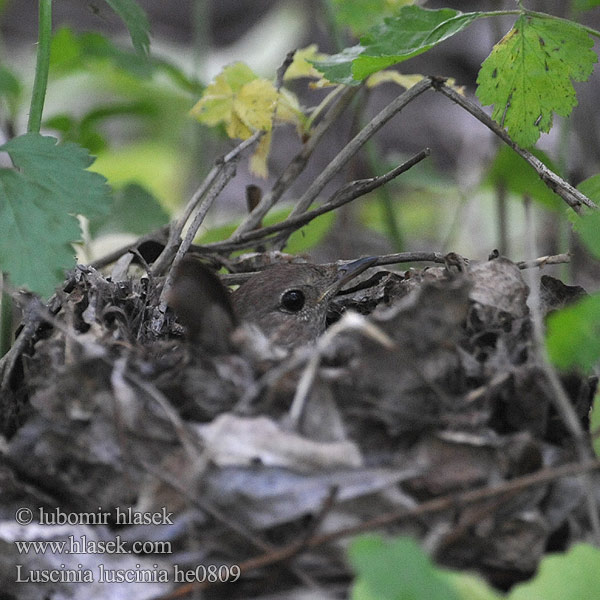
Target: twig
{"x":220,"y":182}
{"x":345,"y":194}
{"x":556,"y":259}
{"x":158,"y":235}
{"x":352,"y":148}
{"x":295,"y":167}
{"x":449,"y":502}
{"x":572,"y":196}
{"x":164,"y":260}
{"x":559,"y":397}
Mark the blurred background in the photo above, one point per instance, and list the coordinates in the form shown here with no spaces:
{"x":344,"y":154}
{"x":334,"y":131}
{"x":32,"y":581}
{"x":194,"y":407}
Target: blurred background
{"x":133,"y":116}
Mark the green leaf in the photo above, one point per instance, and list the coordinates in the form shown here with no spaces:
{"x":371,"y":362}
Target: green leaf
{"x":61,"y":170}
{"x":529,"y":74}
{"x":413,"y":31}
{"x":510,"y":171}
{"x":360,"y":15}
{"x":573,"y":335}
{"x":575,"y":574}
{"x":71,"y":52}
{"x":38,"y":205}
{"x":135,"y":20}
{"x":134,"y":210}
{"x":395,"y":570}
{"x":338,"y":67}
{"x":34,"y":236}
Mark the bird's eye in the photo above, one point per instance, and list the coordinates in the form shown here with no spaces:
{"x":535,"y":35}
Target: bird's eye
{"x":292,"y":300}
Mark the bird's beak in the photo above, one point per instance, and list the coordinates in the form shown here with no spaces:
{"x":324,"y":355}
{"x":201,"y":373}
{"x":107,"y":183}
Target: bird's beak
{"x":346,"y":273}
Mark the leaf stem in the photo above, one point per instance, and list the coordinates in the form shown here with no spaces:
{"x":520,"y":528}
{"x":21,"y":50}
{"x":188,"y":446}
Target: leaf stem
{"x":42,"y":66}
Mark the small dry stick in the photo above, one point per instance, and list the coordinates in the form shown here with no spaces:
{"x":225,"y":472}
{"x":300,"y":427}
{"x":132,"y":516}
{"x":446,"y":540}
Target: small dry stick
{"x":572,"y":196}
{"x":346,"y":194}
{"x":436,"y":505}
{"x":559,"y":398}
{"x":295,"y":167}
{"x":164,"y":260}
{"x":352,"y":148}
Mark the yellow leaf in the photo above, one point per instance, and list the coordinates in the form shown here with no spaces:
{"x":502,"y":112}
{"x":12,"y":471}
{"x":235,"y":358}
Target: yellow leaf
{"x":254,"y":105}
{"x":300,"y":66}
{"x":216,"y":104}
{"x":406,"y":81}
{"x":258,"y":160}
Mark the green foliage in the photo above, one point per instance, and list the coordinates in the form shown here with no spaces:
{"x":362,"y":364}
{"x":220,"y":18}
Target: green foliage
{"x":573,"y":575}
{"x":413,"y":31}
{"x":361,"y":15}
{"x":38,"y":207}
{"x":528,"y":75}
{"x":395,"y":570}
{"x":588,"y":226}
{"x":398,"y":569}
{"x":135,"y":20}
{"x":573,"y":335}
{"x":72,"y":52}
{"x":134,"y":210}
{"x":511,"y":172}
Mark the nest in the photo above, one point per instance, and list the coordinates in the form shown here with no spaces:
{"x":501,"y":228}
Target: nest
{"x":424,"y":410}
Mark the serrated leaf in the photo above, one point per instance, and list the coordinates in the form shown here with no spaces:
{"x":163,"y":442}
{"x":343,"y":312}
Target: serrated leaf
{"x":528,"y":75}
{"x":216,"y":104}
{"x":35,"y":238}
{"x":574,"y":574}
{"x":38,"y":205}
{"x":246,"y":103}
{"x":573,"y":335}
{"x":395,"y":569}
{"x":135,"y":20}
{"x":61,"y":170}
{"x":254,"y":109}
{"x":413,"y":31}
{"x":337,"y":68}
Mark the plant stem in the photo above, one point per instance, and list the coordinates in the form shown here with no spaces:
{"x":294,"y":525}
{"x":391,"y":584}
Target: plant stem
{"x":42,"y":66}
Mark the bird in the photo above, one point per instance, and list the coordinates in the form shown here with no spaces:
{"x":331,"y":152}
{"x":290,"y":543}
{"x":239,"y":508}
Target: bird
{"x":288,"y":302}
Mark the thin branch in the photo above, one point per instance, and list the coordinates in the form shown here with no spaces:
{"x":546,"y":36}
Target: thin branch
{"x":222,"y":179}
{"x":164,"y":260}
{"x":295,"y":167}
{"x":542,"y":261}
{"x":345,"y":194}
{"x":572,"y":196}
{"x":352,"y":148}
{"x":559,"y":397}
{"x":454,"y":502}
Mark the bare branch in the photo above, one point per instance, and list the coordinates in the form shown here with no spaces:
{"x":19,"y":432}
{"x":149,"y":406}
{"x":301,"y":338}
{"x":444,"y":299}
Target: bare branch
{"x":353,"y":147}
{"x":164,"y":260}
{"x":572,"y":196}
{"x":345,"y":194}
{"x":295,"y":167}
